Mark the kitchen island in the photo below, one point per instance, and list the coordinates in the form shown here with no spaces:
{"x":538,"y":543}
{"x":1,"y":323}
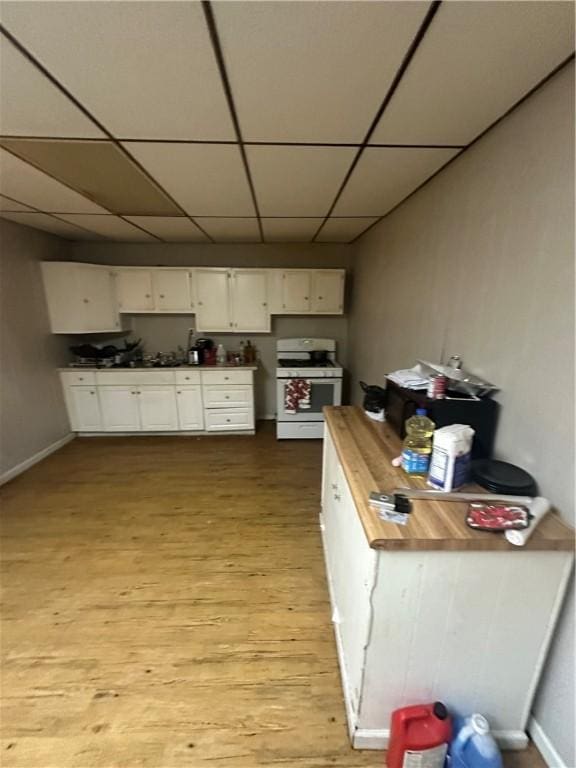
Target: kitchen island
{"x":430,"y":610}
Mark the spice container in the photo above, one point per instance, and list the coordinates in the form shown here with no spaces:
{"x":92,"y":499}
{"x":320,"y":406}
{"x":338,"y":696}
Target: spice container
{"x":437,"y":386}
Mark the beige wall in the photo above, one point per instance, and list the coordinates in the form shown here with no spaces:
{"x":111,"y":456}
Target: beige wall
{"x":32,"y":411}
{"x":480,"y":263}
{"x":165,"y":332}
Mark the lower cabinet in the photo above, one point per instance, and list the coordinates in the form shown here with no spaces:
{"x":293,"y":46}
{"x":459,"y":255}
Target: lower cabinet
{"x":119,"y":408}
{"x":84,"y":409}
{"x":189,"y":404}
{"x":123,"y":400}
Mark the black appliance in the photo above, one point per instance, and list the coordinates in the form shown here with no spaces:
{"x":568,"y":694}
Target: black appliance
{"x":479,"y":413}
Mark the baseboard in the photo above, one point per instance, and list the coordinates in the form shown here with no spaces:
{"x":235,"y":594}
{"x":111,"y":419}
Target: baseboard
{"x":365,"y":738}
{"x":24,"y":465}
{"x":545,"y":746}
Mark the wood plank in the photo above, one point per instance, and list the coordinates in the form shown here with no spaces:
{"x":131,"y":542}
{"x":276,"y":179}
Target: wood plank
{"x":366,"y":449}
{"x":165,"y":605}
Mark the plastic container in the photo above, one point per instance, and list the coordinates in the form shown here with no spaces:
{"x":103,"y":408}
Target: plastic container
{"x":220,"y":355}
{"x":419,"y":736}
{"x":473,"y":746}
{"x":417,"y":446}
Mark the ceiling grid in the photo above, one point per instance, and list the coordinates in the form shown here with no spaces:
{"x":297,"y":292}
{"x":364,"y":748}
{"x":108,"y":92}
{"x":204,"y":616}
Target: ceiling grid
{"x":247,"y":122}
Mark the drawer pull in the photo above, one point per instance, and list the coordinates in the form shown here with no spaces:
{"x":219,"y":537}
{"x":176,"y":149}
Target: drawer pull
{"x":187,"y":378}
{"x":227,"y":397}
{"x":178,"y":392}
{"x":92,"y":392}
{"x":226,"y":378}
{"x":337,"y":497}
{"x":228,"y":421}
{"x":80,"y":378}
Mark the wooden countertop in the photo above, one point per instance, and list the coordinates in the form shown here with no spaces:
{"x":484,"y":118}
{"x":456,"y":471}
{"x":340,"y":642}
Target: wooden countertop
{"x":366,"y":449}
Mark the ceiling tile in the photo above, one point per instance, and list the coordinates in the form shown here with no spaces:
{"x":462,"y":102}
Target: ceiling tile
{"x":233,"y":230}
{"x":345,"y":229}
{"x":205,"y":179}
{"x":173,"y":229}
{"x":145,"y":69}
{"x":315,"y":71}
{"x":21,"y":181}
{"x":98,"y":169}
{"x":384,"y":177}
{"x":30,"y":105}
{"x":7,"y":204}
{"x":50,"y":224}
{"x":112,"y":227}
{"x":476,"y":60}
{"x":293,"y":230}
{"x":297,"y":181}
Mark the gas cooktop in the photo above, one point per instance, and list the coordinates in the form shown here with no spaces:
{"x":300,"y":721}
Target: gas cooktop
{"x":299,"y":363}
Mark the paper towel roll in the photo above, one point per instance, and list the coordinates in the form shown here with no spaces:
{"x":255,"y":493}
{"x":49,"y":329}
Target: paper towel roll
{"x":538,"y":508}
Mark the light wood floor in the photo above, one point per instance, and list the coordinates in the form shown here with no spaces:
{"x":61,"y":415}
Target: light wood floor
{"x":165,"y":605}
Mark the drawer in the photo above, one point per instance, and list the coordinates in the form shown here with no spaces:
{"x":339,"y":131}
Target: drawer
{"x":216,"y":396}
{"x":226,"y":376}
{"x":226,"y":420}
{"x":187,"y":377}
{"x":72,"y":378}
{"x":131,"y":378}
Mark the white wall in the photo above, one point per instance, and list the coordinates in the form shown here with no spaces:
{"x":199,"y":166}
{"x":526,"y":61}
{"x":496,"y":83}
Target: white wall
{"x":32,"y":411}
{"x":480,"y":263}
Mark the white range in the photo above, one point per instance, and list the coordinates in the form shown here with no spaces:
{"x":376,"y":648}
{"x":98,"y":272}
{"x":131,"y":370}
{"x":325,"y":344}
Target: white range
{"x":308,"y":377}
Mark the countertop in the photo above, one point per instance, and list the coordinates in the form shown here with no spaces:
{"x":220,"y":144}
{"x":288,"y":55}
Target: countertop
{"x":146,"y":368}
{"x":366,"y":449}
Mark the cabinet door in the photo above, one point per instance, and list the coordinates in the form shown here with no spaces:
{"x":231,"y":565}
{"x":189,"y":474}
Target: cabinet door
{"x":172,"y":290}
{"x":157,"y":408}
{"x":134,"y":290}
{"x":250,"y":300}
{"x":213,"y":300}
{"x":84,"y":408}
{"x":189,"y":403}
{"x":119,"y":407}
{"x":328,"y":291}
{"x":296,"y":291}
{"x":97,"y":289}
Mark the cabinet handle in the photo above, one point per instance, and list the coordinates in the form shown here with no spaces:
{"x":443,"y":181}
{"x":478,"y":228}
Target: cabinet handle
{"x":334,"y":486}
{"x":86,"y":301}
{"x":226,"y":397}
{"x":187,"y":378}
{"x":226,"y":378}
{"x":337,"y":497}
{"x":228,"y":420}
{"x":147,"y":295}
{"x":320,"y":298}
{"x":80,"y":378}
{"x":199,"y":303}
{"x":161,"y":295}
{"x":92,"y":392}
{"x":264,"y":304}
{"x":178,"y":392}
{"x":283,"y":306}
{"x":231,"y":325}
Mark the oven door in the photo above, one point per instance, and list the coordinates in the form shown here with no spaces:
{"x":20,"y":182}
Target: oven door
{"x":323,"y":392}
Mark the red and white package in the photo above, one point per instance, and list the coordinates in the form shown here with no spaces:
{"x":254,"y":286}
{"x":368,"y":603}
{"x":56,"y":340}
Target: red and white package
{"x":497,"y":517}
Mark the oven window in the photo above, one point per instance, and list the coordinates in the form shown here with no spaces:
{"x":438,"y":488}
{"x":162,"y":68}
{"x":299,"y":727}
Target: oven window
{"x":320,"y":395}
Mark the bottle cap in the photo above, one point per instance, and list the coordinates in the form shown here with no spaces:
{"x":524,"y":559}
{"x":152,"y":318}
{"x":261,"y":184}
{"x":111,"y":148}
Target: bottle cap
{"x":480,"y":724}
{"x":420,"y":411}
{"x":440,"y":710}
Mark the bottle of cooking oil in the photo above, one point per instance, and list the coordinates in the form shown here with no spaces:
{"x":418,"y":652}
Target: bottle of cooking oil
{"x":417,"y":446}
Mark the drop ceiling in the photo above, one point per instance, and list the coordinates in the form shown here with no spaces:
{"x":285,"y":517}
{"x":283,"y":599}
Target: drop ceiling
{"x":248,"y":121}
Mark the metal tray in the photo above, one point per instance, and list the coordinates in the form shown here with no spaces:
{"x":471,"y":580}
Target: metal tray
{"x":460,"y":380}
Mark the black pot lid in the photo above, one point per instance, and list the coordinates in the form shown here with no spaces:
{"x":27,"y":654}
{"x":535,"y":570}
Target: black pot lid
{"x":501,"y":477}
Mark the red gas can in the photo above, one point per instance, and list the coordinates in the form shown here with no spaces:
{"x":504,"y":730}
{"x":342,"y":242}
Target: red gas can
{"x":419,"y":736}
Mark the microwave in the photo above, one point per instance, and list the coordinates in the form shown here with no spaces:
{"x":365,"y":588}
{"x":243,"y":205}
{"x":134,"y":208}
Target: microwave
{"x":479,"y":413}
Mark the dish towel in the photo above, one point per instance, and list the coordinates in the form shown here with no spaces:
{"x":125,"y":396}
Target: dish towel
{"x":296,"y":395}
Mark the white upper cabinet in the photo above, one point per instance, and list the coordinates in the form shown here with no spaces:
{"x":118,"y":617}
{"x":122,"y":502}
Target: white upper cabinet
{"x":249,"y":294}
{"x":213,"y":311}
{"x":80,"y":298}
{"x":328,"y":291}
{"x":296,"y":289}
{"x":134,"y":290}
{"x":172,"y":292}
